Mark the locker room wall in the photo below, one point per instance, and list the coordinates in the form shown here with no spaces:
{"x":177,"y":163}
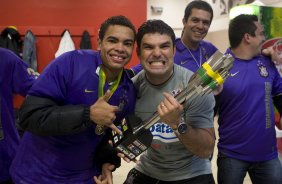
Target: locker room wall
{"x":48,"y":19}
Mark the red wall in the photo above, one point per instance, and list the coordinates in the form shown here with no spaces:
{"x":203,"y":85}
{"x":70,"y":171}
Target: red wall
{"x":48,"y":19}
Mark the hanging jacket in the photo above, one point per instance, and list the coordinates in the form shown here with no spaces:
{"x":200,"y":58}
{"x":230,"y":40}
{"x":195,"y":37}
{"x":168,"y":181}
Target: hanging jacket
{"x":29,"y":50}
{"x":66,"y":44}
{"x":11,"y":39}
{"x":85,"y":42}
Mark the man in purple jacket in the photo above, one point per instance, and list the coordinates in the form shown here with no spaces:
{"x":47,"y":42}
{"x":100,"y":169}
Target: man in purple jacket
{"x":191,"y":50}
{"x":14,"y":79}
{"x":72,"y":108}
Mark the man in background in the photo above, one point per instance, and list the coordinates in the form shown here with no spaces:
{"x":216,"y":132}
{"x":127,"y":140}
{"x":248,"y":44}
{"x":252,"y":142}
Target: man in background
{"x":191,"y":50}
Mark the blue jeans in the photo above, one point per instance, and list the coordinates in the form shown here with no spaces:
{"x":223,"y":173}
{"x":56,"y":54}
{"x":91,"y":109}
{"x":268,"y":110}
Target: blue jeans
{"x":233,"y":171}
{"x":29,"y":50}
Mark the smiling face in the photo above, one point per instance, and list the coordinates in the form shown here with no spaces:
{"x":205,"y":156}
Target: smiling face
{"x":196,"y":27}
{"x":116,"y":48}
{"x":156,"y":56}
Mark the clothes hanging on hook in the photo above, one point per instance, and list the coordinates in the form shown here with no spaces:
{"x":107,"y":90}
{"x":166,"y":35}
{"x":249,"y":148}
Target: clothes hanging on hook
{"x":85,"y":42}
{"x":10,"y":39}
{"x":66,"y":43}
{"x":29,"y":50}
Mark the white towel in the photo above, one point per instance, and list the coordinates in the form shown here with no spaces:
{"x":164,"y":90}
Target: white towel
{"x":66,"y":44}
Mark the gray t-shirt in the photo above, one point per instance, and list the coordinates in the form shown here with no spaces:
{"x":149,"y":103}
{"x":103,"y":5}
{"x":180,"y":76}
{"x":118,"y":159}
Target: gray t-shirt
{"x":168,"y":159}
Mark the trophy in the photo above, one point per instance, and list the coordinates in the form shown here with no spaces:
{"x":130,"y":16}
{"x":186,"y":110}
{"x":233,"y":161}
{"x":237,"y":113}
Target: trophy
{"x":137,"y":138}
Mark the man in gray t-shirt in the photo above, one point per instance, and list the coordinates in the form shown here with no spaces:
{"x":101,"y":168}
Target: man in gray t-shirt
{"x":175,"y":156}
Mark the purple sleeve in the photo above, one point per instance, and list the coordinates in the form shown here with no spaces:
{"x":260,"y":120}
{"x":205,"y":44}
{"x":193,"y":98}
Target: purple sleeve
{"x":136,"y":69}
{"x":15,"y":72}
{"x":211,"y":49}
{"x":23,"y":78}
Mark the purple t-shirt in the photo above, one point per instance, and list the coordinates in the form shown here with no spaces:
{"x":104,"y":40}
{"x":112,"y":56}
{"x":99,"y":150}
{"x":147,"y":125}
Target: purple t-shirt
{"x":14,"y":79}
{"x":70,"y":79}
{"x":184,"y":58}
{"x":246,"y":114}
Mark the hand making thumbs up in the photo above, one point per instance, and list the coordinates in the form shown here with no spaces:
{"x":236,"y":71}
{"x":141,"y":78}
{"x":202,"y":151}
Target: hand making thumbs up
{"x":102,"y":113}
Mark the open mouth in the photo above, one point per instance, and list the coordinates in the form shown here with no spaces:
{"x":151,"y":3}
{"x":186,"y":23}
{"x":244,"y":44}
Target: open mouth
{"x":199,"y":34}
{"x":118,"y":58}
{"x":157,"y":63}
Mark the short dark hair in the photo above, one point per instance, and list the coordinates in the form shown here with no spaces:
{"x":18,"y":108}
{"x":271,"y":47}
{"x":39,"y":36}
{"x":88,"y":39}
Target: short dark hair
{"x":239,"y":26}
{"x":116,"y":20}
{"x":153,"y":26}
{"x":197,"y":4}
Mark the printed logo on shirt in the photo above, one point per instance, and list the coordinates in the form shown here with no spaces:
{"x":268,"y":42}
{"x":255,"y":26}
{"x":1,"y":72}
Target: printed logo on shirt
{"x":233,"y":74}
{"x":30,"y":71}
{"x":176,"y":91}
{"x":88,"y":91}
{"x":163,"y":132}
{"x":183,"y":62}
{"x":262,"y":68}
{"x":123,"y":101}
{"x":263,"y":71}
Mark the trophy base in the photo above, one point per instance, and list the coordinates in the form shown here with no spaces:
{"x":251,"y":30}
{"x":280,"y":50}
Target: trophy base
{"x":129,"y":143}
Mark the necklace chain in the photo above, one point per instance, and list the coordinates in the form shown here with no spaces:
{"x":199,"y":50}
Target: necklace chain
{"x":198,"y":64}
